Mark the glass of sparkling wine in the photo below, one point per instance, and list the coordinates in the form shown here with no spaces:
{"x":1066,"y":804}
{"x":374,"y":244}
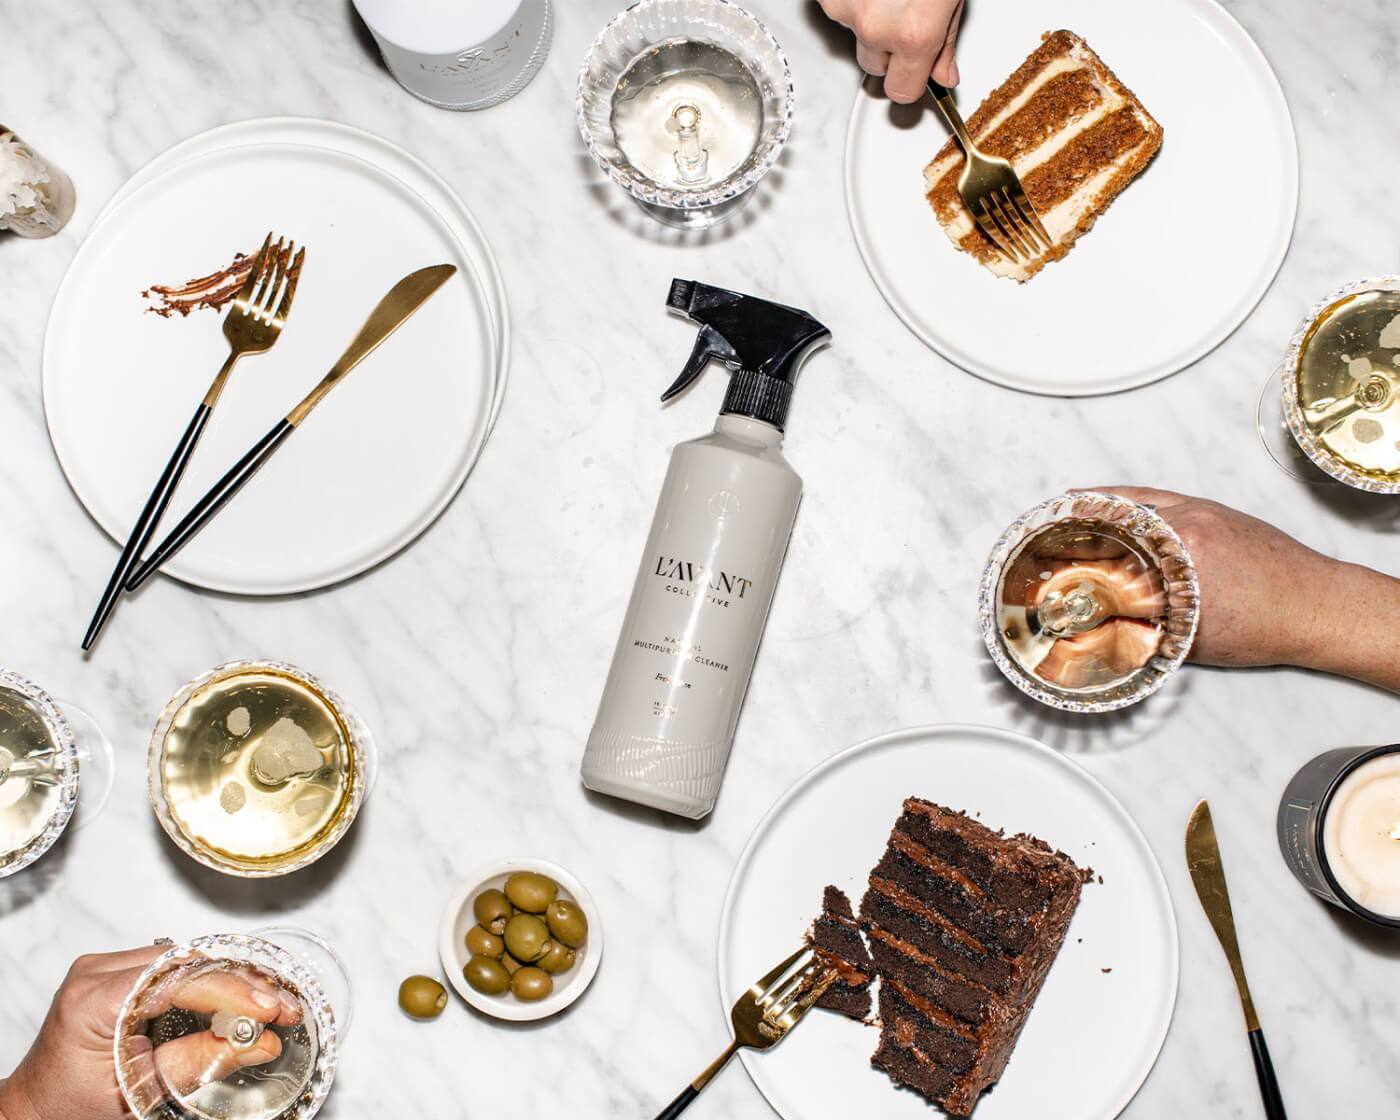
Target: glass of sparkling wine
{"x":229,"y":1027}
{"x":1088,"y":602}
{"x":1331,"y":413}
{"x":686,"y":105}
{"x":256,"y":769}
{"x":45,"y":746}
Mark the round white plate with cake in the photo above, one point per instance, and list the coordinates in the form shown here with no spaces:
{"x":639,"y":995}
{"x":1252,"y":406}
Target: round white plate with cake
{"x":1180,"y":250}
{"x":1092,"y":1033}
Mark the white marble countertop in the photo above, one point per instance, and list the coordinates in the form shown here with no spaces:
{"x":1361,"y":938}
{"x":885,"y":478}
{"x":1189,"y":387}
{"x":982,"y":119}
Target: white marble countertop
{"x":478,"y":654}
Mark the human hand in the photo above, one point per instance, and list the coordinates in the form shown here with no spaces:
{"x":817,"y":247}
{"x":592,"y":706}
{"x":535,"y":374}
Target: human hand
{"x":69,"y":1071}
{"x":1267,"y":599}
{"x":906,"y":41}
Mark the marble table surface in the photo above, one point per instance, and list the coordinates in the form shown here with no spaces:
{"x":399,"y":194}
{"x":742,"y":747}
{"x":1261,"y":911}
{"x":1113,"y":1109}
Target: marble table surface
{"x":477,"y":655}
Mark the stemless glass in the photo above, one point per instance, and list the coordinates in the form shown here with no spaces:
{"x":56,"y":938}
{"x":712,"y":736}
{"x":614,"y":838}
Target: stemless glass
{"x":45,"y":745}
{"x":1088,"y":602}
{"x":227,"y":1027}
{"x":685,"y":104}
{"x":256,"y":769}
{"x":1334,"y":405}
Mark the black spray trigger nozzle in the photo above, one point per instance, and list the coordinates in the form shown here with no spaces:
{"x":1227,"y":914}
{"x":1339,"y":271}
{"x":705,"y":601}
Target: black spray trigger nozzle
{"x":708,"y":344}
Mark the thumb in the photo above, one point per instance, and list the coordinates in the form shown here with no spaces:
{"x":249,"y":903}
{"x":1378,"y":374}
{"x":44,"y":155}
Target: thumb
{"x":197,"y":1059}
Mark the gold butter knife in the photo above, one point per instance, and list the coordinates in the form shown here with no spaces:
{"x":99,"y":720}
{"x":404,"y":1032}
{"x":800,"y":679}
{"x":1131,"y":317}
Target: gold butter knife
{"x":401,"y":301}
{"x":1203,"y":861}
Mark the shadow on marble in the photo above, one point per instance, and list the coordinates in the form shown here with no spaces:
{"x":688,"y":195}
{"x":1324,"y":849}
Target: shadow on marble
{"x":622,"y":211}
{"x":360,"y":33}
{"x":23,"y":887}
{"x":256,"y":897}
{"x":1089,"y":732}
{"x":1375,"y":939}
{"x":1378,"y":512}
{"x":641,"y":814}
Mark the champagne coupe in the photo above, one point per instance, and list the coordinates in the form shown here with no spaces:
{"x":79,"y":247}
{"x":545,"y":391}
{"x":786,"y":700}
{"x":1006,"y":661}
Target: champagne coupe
{"x":1332,"y":411}
{"x":231,"y":1027}
{"x":1088,"y":602}
{"x":44,"y":746}
{"x":256,"y":769}
{"x":685,"y":104}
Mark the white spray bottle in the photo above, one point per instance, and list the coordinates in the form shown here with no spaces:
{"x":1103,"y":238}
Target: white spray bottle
{"x":701,"y":597}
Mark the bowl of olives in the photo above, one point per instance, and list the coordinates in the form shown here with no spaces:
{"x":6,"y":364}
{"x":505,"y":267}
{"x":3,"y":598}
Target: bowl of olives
{"x":520,"y":939}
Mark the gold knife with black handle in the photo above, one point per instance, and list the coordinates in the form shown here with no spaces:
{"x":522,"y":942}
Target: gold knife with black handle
{"x":1203,"y":861}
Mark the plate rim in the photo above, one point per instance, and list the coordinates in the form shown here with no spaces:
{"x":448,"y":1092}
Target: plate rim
{"x":330,"y":574}
{"x":1186,"y":357}
{"x":896,"y":736}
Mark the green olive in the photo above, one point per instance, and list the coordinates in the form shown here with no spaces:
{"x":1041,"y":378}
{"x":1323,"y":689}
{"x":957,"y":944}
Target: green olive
{"x":510,"y":963}
{"x":422,"y":997}
{"x":567,"y":922}
{"x":481,"y":942}
{"x":492,"y":909}
{"x":531,"y":984}
{"x":487,"y":975}
{"x":527,"y":938}
{"x":531,"y":891}
{"x":560,"y":958}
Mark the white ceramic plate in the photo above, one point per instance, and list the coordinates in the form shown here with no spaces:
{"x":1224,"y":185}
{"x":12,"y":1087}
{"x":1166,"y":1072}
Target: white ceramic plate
{"x":1169,"y":270}
{"x":1092,"y":1036}
{"x":312,"y":132}
{"x":373,"y":465}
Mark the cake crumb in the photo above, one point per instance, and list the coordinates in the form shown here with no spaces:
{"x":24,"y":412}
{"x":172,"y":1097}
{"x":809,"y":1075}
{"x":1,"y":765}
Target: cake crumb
{"x":1105,"y":970}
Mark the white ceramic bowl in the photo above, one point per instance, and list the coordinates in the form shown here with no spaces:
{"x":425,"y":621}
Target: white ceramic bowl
{"x":457,"y":919}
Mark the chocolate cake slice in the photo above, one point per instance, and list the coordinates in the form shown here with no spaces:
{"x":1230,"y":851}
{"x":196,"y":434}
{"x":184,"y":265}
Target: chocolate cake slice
{"x":963,"y":924}
{"x":835,"y":935}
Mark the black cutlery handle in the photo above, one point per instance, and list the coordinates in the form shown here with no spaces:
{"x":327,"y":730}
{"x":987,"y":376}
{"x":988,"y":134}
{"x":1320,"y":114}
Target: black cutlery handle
{"x":679,"y":1105}
{"x":937,"y":89}
{"x":207,"y":506}
{"x":146,"y":524}
{"x":1268,"y":1083}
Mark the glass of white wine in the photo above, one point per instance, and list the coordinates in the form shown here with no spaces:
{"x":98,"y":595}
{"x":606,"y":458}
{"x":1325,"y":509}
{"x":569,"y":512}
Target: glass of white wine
{"x":1088,"y":602}
{"x":46,"y":747}
{"x":1331,"y":413}
{"x":229,"y":1027}
{"x":686,"y":105}
{"x":256,"y":769}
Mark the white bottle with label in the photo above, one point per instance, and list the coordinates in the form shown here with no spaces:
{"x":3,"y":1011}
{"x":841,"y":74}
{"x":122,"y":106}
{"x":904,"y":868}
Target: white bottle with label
{"x":460,"y":54}
{"x":706,"y":580}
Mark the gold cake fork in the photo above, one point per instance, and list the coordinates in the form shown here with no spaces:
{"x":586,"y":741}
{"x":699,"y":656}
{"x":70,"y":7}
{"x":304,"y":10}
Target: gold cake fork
{"x":992,"y":192}
{"x":251,"y":326}
{"x":764,"y":1014}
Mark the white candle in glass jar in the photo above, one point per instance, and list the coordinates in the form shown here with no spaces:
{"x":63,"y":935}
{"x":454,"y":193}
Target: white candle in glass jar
{"x":1361,"y":835}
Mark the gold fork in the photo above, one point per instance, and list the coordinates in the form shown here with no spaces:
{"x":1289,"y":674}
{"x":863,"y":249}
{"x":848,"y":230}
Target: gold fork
{"x":251,"y":326}
{"x":764,"y":1014}
{"x":992,"y":192}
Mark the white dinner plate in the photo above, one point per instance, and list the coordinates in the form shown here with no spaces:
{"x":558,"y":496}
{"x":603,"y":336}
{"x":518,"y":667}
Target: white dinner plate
{"x":1100,"y":1019}
{"x":1170,"y":269}
{"x":373,"y":465}
{"x":313,"y":132}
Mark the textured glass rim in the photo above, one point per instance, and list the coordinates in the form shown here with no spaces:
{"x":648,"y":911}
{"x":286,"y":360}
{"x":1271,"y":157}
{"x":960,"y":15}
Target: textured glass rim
{"x":728,"y":188}
{"x":135,"y":1079}
{"x":357,"y":736}
{"x":66,"y":757}
{"x":1139,"y":521}
{"x":1323,"y":459}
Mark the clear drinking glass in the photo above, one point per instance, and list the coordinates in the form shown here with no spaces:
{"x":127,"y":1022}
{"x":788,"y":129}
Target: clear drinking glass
{"x":1332,"y":411}
{"x":230,"y":1027}
{"x":256,"y":769}
{"x":1088,"y":602}
{"x":45,"y":747}
{"x":685,"y":104}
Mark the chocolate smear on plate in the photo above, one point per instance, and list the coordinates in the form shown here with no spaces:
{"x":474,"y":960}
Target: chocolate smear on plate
{"x":214,"y":291}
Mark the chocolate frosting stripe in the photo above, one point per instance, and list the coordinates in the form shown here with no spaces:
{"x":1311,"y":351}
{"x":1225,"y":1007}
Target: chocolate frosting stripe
{"x":904,"y":899}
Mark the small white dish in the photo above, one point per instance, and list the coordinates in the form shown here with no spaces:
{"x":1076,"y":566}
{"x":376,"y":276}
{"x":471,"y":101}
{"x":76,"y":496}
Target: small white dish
{"x":457,"y":919}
